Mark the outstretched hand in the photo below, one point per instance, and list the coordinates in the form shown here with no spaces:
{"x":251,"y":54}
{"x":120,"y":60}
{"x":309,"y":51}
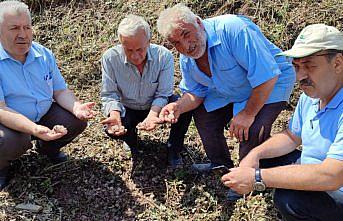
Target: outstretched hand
{"x":44,"y":133}
{"x":113,"y":125}
{"x":84,"y":111}
{"x":149,"y":123}
{"x":170,"y":113}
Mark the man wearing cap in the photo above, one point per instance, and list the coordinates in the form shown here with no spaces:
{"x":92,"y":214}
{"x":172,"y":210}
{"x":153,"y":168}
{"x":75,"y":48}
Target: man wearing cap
{"x":312,"y":188}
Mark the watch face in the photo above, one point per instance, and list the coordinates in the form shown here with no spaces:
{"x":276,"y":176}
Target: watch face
{"x":259,"y":186}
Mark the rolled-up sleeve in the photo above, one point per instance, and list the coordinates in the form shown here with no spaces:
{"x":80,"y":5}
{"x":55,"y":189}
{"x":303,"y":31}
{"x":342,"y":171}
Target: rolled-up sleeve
{"x":165,"y":81}
{"x":109,"y":92}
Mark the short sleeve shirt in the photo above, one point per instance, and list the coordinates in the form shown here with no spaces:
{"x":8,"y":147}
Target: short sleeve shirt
{"x":240,"y":58}
{"x":321,"y":131}
{"x":28,"y":88}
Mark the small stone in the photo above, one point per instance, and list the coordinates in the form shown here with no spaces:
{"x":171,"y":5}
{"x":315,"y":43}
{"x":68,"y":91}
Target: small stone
{"x":29,"y":207}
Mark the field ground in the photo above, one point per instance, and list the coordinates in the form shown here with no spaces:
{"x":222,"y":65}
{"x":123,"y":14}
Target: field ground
{"x":101,"y":182}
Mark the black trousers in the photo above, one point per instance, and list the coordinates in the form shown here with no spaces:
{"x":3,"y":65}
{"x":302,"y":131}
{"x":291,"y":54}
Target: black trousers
{"x":177,"y":132}
{"x":13,"y":144}
{"x":296,"y":205}
{"x":211,"y":126}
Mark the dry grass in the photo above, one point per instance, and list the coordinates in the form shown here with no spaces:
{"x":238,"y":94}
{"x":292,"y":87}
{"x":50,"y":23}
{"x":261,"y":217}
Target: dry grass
{"x":101,"y":182}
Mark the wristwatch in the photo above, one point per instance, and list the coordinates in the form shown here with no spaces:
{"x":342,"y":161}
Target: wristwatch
{"x":259,"y":184}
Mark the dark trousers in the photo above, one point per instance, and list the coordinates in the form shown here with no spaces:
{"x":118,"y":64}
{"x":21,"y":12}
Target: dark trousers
{"x":211,"y":126}
{"x":13,"y":144}
{"x":296,"y":205}
{"x":177,"y":131}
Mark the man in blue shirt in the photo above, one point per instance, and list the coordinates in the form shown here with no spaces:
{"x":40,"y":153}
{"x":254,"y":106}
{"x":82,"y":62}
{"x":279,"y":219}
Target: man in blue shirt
{"x":313,"y":188}
{"x":34,"y":100}
{"x":229,"y":73}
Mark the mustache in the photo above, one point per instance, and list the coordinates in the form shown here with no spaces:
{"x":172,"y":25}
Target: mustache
{"x":306,"y":82}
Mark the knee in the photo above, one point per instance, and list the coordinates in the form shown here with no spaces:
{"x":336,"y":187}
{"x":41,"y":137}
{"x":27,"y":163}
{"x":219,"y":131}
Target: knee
{"x":288,"y":202}
{"x":13,"y":145}
{"x":79,"y":126}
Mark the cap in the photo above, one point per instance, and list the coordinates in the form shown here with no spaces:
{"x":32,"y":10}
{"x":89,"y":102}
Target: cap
{"x":315,"y":38}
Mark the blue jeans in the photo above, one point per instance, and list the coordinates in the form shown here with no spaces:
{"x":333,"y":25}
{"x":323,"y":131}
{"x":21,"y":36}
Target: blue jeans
{"x":303,"y":205}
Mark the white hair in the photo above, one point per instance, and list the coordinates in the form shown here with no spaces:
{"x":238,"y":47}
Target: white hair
{"x":13,"y":6}
{"x":170,"y":18}
{"x":131,"y":24}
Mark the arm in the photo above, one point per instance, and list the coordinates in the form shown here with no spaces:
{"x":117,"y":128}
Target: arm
{"x":327,"y":176}
{"x":110,"y":96}
{"x":16,"y":121}
{"x":251,"y":52}
{"x":67,"y":100}
{"x":278,"y":145}
{"x":19,"y":122}
{"x":241,"y":123}
{"x":172,"y":111}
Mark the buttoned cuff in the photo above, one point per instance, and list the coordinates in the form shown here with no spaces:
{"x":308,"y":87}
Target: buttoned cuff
{"x":160,"y":102}
{"x":113,"y":105}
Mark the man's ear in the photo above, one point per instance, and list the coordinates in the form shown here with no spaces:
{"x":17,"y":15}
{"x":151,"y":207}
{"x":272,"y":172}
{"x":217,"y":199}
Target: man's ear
{"x":198,"y":20}
{"x":338,"y":63}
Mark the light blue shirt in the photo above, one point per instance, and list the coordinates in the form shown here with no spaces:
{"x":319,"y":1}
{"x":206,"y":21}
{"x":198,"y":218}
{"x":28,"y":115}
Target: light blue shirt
{"x":321,"y":131}
{"x":28,"y":88}
{"x":240,"y":58}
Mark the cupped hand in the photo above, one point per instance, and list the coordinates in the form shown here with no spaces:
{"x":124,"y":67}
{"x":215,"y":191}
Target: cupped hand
{"x":149,"y":123}
{"x":44,"y":133}
{"x":84,"y":111}
{"x":170,"y":113}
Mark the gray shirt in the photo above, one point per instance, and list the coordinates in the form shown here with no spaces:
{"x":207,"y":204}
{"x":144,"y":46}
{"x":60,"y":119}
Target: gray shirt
{"x":123,"y":85}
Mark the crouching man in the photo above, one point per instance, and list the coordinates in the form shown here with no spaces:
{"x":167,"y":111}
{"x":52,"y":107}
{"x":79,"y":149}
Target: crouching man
{"x":34,"y":100}
{"x":137,"y":81}
{"x":311,"y":189}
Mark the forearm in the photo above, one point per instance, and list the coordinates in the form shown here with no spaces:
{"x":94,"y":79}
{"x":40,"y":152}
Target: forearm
{"x":278,"y":145}
{"x":188,"y":102}
{"x":154,"y":111}
{"x":313,"y":177}
{"x":66,"y":99}
{"x":259,"y":97}
{"x":16,"y":121}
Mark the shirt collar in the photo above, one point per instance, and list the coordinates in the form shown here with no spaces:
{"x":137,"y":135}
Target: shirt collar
{"x":333,"y":104}
{"x":33,"y":53}
{"x":3,"y":53}
{"x":148,"y":55}
{"x":212,"y":37}
{"x":336,"y":100}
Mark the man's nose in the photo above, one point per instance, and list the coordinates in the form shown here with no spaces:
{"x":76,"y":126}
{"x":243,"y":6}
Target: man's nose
{"x":185,"y":46}
{"x":22,"y":32}
{"x":301,"y":74}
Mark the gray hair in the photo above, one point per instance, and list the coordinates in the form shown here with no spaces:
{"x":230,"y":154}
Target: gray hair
{"x":131,"y":24}
{"x":169,"y":19}
{"x":13,"y":6}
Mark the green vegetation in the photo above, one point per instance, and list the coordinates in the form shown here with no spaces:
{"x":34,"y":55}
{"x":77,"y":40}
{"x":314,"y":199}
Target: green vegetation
{"x":101,"y":182}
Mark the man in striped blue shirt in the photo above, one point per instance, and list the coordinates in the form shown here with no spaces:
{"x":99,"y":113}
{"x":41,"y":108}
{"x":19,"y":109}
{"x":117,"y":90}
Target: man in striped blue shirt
{"x":137,"y":81}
